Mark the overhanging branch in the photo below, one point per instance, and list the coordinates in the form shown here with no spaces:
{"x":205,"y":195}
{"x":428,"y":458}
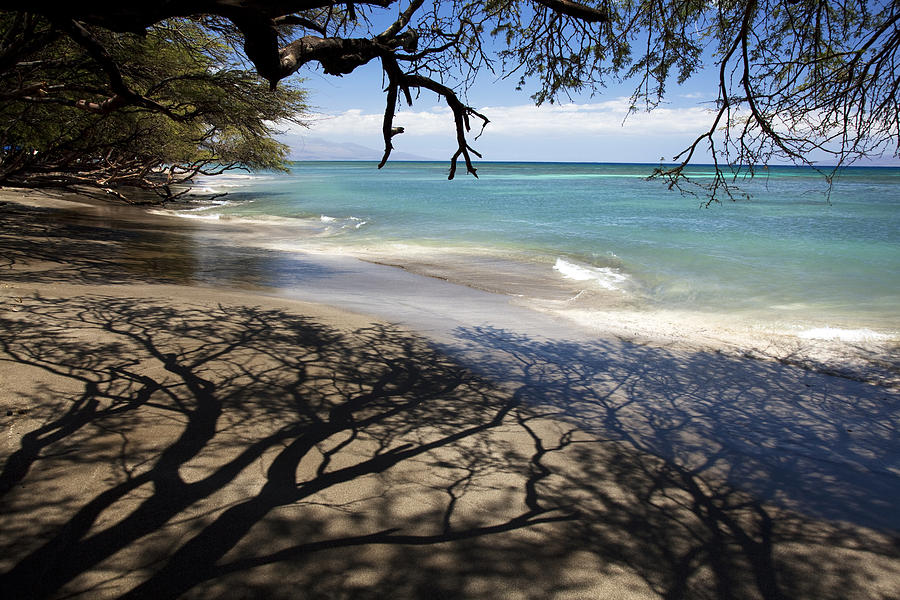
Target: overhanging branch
{"x":122,"y":94}
{"x":461,"y":115}
{"x":576,"y":10}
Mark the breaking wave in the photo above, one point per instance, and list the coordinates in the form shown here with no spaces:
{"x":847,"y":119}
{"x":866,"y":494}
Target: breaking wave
{"x":606,"y":277}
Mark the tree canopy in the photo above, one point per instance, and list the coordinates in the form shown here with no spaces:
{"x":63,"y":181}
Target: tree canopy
{"x":795,"y":77}
{"x":85,"y":105}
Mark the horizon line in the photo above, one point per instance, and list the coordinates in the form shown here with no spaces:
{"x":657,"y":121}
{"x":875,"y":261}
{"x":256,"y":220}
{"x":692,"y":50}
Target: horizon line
{"x":586,"y":162}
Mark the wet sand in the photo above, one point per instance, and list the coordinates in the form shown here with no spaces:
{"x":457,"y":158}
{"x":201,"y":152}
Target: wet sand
{"x":187,"y":418}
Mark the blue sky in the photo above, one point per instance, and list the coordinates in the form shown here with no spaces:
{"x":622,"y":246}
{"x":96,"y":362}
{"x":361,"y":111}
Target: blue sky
{"x":591,"y":129}
{"x":588,"y":128}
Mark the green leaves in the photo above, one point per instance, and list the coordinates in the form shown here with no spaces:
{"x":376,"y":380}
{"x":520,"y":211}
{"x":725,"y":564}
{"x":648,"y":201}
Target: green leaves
{"x":792,"y":78}
{"x":191,"y":104}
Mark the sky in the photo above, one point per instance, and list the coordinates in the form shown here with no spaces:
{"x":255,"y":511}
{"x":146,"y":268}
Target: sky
{"x":587,"y":128}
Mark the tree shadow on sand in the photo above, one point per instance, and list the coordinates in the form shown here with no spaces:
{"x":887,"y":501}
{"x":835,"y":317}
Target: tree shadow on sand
{"x":717,"y":458}
{"x":244,"y":452}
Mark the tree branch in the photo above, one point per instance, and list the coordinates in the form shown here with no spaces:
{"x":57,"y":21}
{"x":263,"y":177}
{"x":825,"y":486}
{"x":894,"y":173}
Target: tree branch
{"x":576,"y":10}
{"x":461,"y":114}
{"x":122,"y":94}
{"x":401,"y":22}
{"x":301,"y":21}
{"x":338,"y":56}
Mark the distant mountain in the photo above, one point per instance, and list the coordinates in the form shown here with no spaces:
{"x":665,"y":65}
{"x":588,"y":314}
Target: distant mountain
{"x":311,"y":148}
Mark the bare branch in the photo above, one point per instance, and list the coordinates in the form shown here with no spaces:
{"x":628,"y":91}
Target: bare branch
{"x":461,"y":114}
{"x":400,"y":23}
{"x":575,"y":10}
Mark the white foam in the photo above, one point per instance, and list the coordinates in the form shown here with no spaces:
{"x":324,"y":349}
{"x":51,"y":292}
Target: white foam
{"x":272,"y":220}
{"x":344,"y":223}
{"x":606,"y":277}
{"x":186,"y":214}
{"x":212,"y":183}
{"x":236,"y":219}
{"x":207,"y":205}
{"x":844,"y":335}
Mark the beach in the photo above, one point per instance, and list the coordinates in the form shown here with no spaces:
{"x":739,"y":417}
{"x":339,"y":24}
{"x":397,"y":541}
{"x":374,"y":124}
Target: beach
{"x":796,"y":271}
{"x":186,"y":416}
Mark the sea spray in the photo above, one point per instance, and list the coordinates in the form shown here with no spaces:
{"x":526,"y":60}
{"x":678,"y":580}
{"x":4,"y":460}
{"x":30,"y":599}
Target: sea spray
{"x":605,"y":277}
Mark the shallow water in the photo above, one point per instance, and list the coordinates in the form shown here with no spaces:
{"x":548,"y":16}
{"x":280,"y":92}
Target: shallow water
{"x":600,"y":236}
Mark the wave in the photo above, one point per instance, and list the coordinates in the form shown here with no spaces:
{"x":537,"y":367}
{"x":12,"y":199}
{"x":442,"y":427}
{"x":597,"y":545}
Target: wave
{"x":215,"y":183}
{"x":324,"y":225}
{"x":237,"y":219}
{"x":188,"y":213}
{"x":606,"y":277}
{"x":206,"y":205}
{"x":342,"y":222}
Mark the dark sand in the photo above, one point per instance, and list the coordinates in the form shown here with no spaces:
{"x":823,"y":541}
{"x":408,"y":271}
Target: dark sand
{"x":174,"y":427}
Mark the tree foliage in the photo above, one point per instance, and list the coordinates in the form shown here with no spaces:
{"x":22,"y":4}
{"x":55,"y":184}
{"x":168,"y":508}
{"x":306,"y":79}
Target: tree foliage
{"x":796,"y":78}
{"x":83,"y":104}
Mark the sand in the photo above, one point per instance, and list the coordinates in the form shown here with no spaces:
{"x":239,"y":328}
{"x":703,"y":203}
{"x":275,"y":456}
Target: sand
{"x":177,"y":424}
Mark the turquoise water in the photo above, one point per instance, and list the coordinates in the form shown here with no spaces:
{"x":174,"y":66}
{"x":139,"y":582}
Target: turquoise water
{"x":788,"y":252}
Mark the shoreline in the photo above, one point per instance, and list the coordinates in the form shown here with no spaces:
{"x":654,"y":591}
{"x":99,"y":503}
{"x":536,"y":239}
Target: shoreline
{"x":857,"y":354}
{"x":859,"y":351}
{"x":872,"y":357}
{"x":168,"y":403}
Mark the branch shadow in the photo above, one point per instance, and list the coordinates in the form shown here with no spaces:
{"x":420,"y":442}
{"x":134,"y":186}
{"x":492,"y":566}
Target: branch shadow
{"x":243,"y":452}
{"x":723,"y":463}
{"x":233,"y":451}
{"x":174,"y":447}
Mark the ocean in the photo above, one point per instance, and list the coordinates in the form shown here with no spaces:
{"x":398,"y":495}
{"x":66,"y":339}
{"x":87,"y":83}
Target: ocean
{"x":599,"y":243}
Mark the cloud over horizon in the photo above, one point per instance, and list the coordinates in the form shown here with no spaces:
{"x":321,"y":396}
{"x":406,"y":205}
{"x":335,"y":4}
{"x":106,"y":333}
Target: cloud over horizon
{"x":610,"y":117}
{"x":581,"y":132}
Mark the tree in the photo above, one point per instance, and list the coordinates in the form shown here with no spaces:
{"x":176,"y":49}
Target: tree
{"x":90,"y":106}
{"x":794,"y":76}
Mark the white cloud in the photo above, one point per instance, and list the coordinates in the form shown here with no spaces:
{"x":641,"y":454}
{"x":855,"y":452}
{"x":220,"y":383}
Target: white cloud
{"x":558,"y":120}
{"x":355,"y":122}
{"x":598,"y":131}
